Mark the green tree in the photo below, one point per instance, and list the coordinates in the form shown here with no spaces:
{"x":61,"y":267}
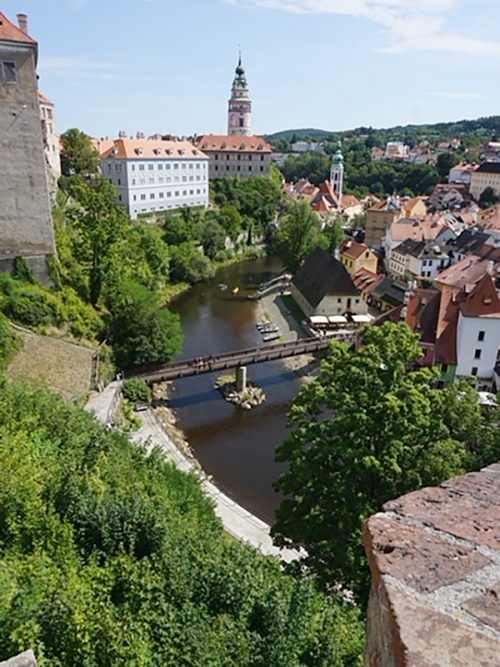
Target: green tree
{"x":99,"y":223}
{"x":177,"y":230}
{"x":333,"y":233}
{"x":188,"y":264}
{"x":141,"y":330}
{"x":136,"y":390}
{"x":299,"y":233}
{"x":78,"y":156}
{"x":112,"y":556}
{"x":213,"y":237}
{"x":8,"y":342}
{"x":368,"y":429}
{"x":445,"y":162}
{"x":488,"y":197}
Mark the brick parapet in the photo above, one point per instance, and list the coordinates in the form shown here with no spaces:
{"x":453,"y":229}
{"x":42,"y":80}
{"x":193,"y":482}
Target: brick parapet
{"x":434,"y":556}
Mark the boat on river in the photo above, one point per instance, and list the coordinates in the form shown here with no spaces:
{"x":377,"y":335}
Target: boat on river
{"x":269,"y":337}
{"x":269,"y":330}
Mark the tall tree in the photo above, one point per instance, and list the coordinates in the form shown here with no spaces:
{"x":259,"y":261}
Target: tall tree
{"x":371,"y":427}
{"x":100,"y":223}
{"x":299,"y":233}
{"x":142,"y":331}
{"x":78,"y":156}
{"x":445,"y":162}
{"x":488,"y":197}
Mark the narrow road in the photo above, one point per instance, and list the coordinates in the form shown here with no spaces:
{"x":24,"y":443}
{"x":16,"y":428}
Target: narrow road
{"x":240,"y":523}
{"x":237,"y":521}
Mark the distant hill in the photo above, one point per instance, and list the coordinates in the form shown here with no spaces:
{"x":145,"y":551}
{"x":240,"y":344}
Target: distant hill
{"x":299,"y":134}
{"x":481,"y":127}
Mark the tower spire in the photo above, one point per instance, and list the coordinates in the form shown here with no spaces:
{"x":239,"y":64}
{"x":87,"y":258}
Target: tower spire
{"x":337,"y":173}
{"x":240,"y":105}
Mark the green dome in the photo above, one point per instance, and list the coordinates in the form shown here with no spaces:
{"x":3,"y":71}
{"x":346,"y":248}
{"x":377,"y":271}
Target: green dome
{"x":338,"y":158}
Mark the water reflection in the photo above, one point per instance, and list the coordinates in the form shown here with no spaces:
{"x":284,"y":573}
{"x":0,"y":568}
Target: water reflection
{"x":234,"y":446}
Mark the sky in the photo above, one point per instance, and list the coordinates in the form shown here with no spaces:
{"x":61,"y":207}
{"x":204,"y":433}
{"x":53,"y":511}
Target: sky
{"x":167,"y":65}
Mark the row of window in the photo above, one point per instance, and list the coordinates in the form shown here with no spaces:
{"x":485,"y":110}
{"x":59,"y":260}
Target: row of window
{"x":239,"y":157}
{"x":238,"y":168}
{"x":170,"y":165}
{"x":177,"y":193}
{"x":151,"y":209}
{"x":160,"y":179}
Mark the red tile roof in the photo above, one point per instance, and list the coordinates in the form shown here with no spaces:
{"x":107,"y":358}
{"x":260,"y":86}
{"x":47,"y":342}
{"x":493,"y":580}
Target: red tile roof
{"x":465,"y":273}
{"x":151,"y":148}
{"x":366,"y":281}
{"x":483,"y":301}
{"x":225,"y":142}
{"x":11,"y":33}
{"x":353,"y":249}
{"x":44,"y":100}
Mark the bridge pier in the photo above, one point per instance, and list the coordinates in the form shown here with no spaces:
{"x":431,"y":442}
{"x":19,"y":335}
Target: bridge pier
{"x":241,"y":379}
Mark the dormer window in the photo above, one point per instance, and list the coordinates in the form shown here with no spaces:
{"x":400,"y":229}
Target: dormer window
{"x":9,"y":72}
{"x":170,"y":151}
{"x":157,"y":151}
{"x":224,"y":146}
{"x":182,"y":151}
{"x":242,"y":146}
{"x":139,"y":151}
{"x":114,"y":151}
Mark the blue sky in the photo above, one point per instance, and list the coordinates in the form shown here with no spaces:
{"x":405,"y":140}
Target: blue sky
{"x":167,"y":65}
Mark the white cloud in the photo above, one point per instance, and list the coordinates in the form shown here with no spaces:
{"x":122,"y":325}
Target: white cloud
{"x":79,"y":68}
{"x":411,"y":25}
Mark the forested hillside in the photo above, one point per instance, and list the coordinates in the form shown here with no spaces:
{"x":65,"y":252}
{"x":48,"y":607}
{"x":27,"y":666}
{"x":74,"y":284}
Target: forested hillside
{"x":112,"y":558}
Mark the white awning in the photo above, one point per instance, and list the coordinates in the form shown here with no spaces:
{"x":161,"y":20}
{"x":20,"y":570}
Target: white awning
{"x":362,"y":319}
{"x":318,"y":319}
{"x":337,"y":319}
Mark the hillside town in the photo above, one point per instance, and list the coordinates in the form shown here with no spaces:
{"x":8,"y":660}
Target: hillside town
{"x":279,"y":241}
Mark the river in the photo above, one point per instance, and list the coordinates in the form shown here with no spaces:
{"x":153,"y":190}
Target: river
{"x":234,"y":446}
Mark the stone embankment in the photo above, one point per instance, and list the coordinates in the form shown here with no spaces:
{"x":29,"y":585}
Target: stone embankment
{"x":434,"y":556}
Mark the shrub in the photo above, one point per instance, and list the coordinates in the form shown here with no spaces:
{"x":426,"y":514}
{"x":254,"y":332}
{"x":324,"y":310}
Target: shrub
{"x":136,"y":391}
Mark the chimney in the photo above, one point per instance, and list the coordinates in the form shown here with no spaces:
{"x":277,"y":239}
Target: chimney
{"x":22,"y":20}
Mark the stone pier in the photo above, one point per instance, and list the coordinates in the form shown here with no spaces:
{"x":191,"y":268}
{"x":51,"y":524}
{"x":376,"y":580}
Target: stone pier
{"x":241,"y":379}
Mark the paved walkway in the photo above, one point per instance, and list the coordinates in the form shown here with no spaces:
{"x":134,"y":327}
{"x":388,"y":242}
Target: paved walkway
{"x":103,"y":403}
{"x":237,"y":521}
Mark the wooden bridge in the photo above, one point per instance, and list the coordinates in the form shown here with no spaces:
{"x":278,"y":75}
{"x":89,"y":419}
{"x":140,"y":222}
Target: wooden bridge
{"x":230,"y":360}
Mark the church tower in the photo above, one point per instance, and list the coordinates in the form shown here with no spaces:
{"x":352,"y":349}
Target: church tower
{"x":337,"y":173}
{"x":239,"y":120}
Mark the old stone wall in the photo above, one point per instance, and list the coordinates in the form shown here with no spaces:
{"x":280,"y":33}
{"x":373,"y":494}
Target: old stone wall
{"x":435,"y":561}
{"x":25,"y":218}
{"x":26,"y":659}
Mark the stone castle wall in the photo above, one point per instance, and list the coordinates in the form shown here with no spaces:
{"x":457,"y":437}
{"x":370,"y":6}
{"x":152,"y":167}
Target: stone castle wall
{"x":25,"y":217}
{"x":434,"y":556}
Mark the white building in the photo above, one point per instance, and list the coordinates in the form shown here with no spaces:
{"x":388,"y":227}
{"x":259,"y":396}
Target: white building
{"x":462,"y":173}
{"x":478,"y":333}
{"x":50,"y":136}
{"x":152,"y":176}
{"x":487,"y":175}
{"x":396,"y":150}
{"x":423,"y":259}
{"x":302,"y":146}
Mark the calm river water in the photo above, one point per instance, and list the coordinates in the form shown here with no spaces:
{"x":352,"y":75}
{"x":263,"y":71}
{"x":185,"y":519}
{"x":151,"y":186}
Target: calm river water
{"x":234,"y":446}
